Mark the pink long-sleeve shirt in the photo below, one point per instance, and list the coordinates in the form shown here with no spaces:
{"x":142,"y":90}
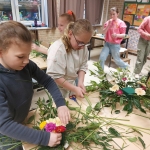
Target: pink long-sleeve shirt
{"x":144,"y":28}
{"x":117,"y":26}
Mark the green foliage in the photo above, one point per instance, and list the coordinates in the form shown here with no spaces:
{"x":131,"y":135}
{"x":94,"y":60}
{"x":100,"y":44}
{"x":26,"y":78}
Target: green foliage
{"x":123,"y":79}
{"x":35,"y":53}
{"x":85,"y":127}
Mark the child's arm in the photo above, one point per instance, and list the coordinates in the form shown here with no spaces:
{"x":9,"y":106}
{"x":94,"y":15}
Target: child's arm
{"x":81,"y":75}
{"x":39,"y":49}
{"x":65,"y":84}
{"x":50,"y":85}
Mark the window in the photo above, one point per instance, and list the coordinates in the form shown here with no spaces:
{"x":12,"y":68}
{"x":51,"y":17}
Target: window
{"x":25,"y":11}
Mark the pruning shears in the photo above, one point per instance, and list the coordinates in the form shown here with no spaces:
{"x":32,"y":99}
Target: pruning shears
{"x":73,"y":97}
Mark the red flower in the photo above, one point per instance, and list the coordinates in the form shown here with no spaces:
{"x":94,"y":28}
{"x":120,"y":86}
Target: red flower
{"x":60,"y":129}
{"x":143,"y":87}
{"x":119,"y":92}
{"x":124,"y":79}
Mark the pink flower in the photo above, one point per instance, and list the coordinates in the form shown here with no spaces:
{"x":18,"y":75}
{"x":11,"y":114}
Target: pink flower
{"x":119,"y":92}
{"x":124,"y":79}
{"x":50,"y":127}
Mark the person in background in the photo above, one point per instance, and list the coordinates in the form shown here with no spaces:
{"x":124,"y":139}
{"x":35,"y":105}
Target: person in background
{"x":143,"y":46}
{"x":114,"y":31}
{"x":67,"y":58}
{"x":16,"y":88}
{"x":63,"y":20}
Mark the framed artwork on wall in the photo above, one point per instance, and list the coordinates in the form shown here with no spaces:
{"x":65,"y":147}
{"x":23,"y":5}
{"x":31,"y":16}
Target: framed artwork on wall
{"x":141,"y":13}
{"x":128,"y":18}
{"x":130,"y":8}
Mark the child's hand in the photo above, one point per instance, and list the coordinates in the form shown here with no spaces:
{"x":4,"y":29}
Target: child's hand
{"x":55,"y":139}
{"x":79,"y":92}
{"x":64,"y":114}
{"x":34,"y":47}
{"x":81,"y":85}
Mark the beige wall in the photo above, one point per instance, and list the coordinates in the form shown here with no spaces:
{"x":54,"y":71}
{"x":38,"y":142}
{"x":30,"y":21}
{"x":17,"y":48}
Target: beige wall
{"x":51,"y":35}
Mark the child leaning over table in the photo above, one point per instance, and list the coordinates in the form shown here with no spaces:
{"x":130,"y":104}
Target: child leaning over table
{"x":16,"y":89}
{"x":67,"y":58}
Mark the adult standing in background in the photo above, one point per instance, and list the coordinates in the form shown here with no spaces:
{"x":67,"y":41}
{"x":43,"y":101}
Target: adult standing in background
{"x":143,"y":46}
{"x":114,"y":30}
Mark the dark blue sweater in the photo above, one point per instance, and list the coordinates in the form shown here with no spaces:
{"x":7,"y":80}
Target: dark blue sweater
{"x":16,"y":91}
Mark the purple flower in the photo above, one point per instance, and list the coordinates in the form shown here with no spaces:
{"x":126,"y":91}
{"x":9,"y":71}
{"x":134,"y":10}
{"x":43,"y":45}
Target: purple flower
{"x":50,"y":127}
{"x":119,"y":92}
{"x":124,"y":79}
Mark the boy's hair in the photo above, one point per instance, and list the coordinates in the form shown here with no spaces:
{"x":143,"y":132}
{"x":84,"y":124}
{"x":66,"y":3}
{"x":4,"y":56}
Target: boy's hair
{"x":114,"y":9}
{"x":70,"y":16}
{"x":77,"y":27}
{"x":13,"y":32}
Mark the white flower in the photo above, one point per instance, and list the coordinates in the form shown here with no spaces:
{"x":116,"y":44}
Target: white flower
{"x":66,"y":145}
{"x":114,"y":88}
{"x":139,"y":91}
{"x":51,"y":120}
{"x":58,"y":122}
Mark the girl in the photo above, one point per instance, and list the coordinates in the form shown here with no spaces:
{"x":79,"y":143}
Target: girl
{"x":67,"y":58}
{"x":114,"y":30}
{"x":16,"y":89}
{"x":63,"y":20}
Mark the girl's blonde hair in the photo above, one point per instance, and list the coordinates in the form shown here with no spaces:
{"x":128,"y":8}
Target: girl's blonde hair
{"x":78,"y":27}
{"x":13,"y":32}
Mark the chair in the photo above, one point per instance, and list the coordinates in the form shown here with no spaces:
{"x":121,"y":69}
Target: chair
{"x":122,"y":42}
{"x":127,"y":30}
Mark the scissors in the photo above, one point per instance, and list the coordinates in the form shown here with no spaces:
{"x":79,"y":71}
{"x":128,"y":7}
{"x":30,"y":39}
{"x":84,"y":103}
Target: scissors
{"x":73,"y":97}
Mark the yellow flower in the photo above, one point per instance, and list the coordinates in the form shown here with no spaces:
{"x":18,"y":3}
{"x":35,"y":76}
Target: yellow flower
{"x":114,"y":88}
{"x":139,"y":91}
{"x":42,"y":125}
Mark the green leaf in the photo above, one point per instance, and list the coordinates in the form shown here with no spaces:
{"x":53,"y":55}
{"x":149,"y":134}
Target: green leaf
{"x":142,"y":142}
{"x":134,"y":139}
{"x":97,"y":106}
{"x":113,"y":132}
{"x":88,"y":110}
{"x":30,"y":119}
{"x":137,"y":131}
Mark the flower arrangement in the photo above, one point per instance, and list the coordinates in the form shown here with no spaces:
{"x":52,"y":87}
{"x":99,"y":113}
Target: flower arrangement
{"x":123,"y":88}
{"x":86,"y":130}
{"x":52,"y":125}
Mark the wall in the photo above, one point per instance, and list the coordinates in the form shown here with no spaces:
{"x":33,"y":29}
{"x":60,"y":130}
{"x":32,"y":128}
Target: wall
{"x":51,"y":35}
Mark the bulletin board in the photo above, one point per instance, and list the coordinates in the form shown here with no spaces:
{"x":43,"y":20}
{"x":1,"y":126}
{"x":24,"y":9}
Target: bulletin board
{"x":130,"y":8}
{"x":134,"y":13}
{"x":141,"y":13}
{"x":128,"y":18}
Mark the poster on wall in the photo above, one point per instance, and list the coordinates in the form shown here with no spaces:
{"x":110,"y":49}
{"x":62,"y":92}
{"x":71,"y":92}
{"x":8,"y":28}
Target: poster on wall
{"x":128,"y":18}
{"x":142,"y":12}
{"x":130,"y":8}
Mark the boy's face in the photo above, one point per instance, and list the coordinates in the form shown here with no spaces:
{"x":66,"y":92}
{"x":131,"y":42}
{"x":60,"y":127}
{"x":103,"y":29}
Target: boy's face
{"x":62,"y":23}
{"x":16,"y":57}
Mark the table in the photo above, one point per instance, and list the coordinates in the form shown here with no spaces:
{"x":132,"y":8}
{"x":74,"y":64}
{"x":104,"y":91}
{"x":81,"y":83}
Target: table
{"x":41,"y":62}
{"x":134,"y":120}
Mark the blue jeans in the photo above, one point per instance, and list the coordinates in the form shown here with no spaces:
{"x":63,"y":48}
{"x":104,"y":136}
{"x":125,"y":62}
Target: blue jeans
{"x":114,"y":50}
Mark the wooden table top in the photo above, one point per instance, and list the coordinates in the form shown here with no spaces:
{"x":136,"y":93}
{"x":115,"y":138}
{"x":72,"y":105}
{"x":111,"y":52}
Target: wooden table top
{"x":132,"y":119}
{"x":41,"y":62}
